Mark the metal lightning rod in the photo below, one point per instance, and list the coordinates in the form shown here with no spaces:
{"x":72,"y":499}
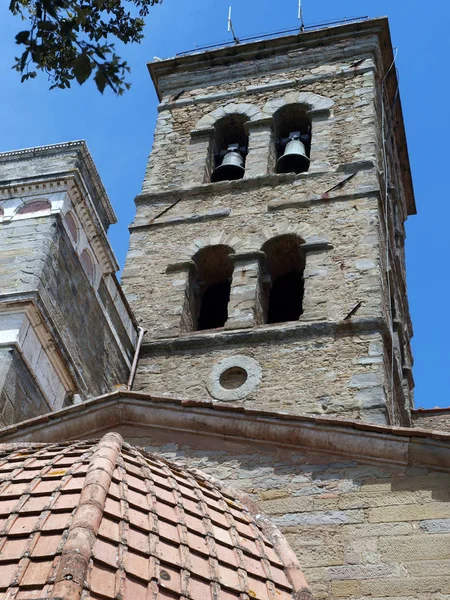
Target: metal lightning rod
{"x":300,"y":16}
{"x":231,"y":28}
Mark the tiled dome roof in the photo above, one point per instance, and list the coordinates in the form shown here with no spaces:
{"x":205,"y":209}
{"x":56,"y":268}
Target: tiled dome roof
{"x":103,"y":519}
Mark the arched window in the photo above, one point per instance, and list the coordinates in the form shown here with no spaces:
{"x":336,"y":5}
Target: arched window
{"x":229,"y":148}
{"x":292,"y":139}
{"x":285,"y":263}
{"x":72,"y":227}
{"x":88,"y":264}
{"x":212,"y":286}
{"x":37,"y":207}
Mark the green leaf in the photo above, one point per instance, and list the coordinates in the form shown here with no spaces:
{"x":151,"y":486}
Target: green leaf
{"x":46,"y":26}
{"x":22,"y":37}
{"x":23,"y":60}
{"x":100,"y":80}
{"x":82,"y":68}
{"x":51,"y":7}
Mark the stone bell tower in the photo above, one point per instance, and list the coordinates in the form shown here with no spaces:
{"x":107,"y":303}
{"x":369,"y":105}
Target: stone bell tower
{"x":267,"y":253}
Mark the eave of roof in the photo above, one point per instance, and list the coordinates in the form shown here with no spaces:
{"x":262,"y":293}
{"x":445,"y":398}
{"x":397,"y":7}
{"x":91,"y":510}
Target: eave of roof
{"x":432,"y":411}
{"x":364,"y":442}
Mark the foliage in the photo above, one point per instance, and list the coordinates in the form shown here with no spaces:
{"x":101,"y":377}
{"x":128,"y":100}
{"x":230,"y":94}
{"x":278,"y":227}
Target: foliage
{"x":71,"y":39}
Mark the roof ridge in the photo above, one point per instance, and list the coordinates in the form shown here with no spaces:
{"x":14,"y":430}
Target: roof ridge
{"x":85,"y":524}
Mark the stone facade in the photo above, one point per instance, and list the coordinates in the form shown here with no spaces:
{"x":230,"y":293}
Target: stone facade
{"x":347,"y":214}
{"x":358,"y":530}
{"x":432,"y":418}
{"x":365,"y":508}
{"x":57,"y":283}
{"x":309,"y":420}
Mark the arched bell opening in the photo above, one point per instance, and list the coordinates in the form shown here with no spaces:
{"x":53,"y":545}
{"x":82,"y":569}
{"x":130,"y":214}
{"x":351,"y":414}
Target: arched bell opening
{"x":212,"y":286}
{"x":292,"y":139}
{"x":285,"y":264}
{"x":230,"y":148}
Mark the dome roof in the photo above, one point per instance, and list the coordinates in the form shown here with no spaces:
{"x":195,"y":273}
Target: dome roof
{"x":111,"y":521}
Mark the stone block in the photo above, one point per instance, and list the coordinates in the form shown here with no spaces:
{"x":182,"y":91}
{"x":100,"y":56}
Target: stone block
{"x":410,"y":512}
{"x":406,"y":586}
{"x":287,"y":505}
{"x":415,"y":547}
{"x":362,"y":572}
{"x":436,"y":526}
{"x":345,"y":588}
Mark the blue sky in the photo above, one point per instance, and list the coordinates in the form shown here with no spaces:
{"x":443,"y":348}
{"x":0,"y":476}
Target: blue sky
{"x":119,"y":130}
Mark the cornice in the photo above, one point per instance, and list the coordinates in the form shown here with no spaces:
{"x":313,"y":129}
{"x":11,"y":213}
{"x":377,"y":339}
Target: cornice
{"x":261,"y":50}
{"x":363,"y":442}
{"x":273,"y":333}
{"x":72,"y":182}
{"x":269,"y":180}
{"x":60,"y":149}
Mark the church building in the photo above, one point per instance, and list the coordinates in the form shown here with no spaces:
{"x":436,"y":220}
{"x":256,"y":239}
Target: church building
{"x":234,"y":420}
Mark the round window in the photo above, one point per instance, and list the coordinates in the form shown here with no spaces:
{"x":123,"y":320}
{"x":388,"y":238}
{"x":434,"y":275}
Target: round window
{"x":233,"y":378}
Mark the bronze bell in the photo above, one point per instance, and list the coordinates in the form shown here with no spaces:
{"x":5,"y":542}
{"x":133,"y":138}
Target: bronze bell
{"x":232,"y":166}
{"x":294,"y":159}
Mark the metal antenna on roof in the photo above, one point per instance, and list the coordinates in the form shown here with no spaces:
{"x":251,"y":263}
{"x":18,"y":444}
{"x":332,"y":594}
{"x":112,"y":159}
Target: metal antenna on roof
{"x":300,"y":16}
{"x":231,"y":28}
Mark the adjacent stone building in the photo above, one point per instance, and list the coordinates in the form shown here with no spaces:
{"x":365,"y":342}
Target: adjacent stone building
{"x":272,"y":449}
{"x":66,"y":331}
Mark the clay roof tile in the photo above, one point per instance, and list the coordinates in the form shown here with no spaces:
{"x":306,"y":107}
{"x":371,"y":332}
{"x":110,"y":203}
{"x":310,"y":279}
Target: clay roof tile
{"x":104,"y":518}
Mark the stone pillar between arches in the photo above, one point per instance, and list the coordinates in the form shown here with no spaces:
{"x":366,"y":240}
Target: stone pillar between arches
{"x":315,"y":296}
{"x":260,"y":148}
{"x":246,"y":305}
{"x":200,"y":157}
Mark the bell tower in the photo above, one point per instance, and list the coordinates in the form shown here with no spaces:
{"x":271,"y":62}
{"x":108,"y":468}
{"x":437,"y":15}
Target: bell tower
{"x":267,"y":254}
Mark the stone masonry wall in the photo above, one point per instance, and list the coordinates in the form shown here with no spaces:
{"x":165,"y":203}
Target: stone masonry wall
{"x":37,"y":256}
{"x":70,"y":299}
{"x":336,"y":280}
{"x":20,"y":398}
{"x":432,"y":419}
{"x":337,"y":205}
{"x":321,"y":372}
{"x":360,"y":531}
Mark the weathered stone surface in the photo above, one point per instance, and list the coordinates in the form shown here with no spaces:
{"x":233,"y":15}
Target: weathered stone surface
{"x":325,"y":505}
{"x":61,"y":279}
{"x":438,"y":418}
{"x":20,"y":397}
{"x":337,"y":202}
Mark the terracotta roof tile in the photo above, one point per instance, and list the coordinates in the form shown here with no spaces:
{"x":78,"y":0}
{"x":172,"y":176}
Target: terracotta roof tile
{"x":103,"y":519}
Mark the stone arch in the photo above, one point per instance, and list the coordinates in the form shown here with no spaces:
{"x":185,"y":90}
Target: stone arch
{"x":218,"y":239}
{"x":88,"y":262}
{"x":73,"y":226}
{"x":36,"y":206}
{"x":249,"y":110}
{"x":301,"y":230}
{"x":312,"y":103}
